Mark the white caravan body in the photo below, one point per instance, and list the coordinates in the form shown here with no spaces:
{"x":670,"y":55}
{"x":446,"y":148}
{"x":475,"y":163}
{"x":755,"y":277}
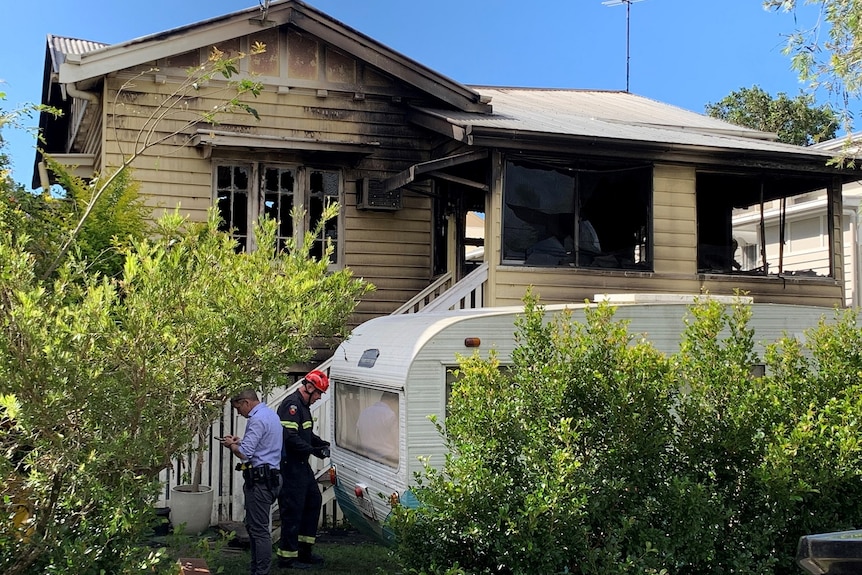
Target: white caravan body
{"x":398,"y":367}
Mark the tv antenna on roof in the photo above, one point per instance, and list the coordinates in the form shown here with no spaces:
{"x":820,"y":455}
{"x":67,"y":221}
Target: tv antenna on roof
{"x":628,"y":4}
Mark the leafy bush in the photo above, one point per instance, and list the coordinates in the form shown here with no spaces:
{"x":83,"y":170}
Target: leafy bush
{"x":43,"y":221}
{"x":105,"y":381}
{"x":597,"y":454}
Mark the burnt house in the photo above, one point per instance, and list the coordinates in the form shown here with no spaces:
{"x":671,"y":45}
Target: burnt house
{"x":581,"y":191}
{"x":450,"y":195}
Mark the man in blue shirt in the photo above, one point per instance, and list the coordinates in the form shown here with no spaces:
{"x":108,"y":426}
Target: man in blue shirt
{"x":260,"y":452}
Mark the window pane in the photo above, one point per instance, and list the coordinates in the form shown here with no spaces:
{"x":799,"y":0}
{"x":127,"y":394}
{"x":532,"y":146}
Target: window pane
{"x":555,"y":215}
{"x":749,"y":224}
{"x":614,"y":218}
{"x":232,"y":201}
{"x":223,"y":177}
{"x":270,"y":179}
{"x":539,"y":216}
{"x":805,"y":234}
{"x":323,"y":191}
{"x":278,"y":200}
{"x":241,"y":175}
{"x":367,"y":422}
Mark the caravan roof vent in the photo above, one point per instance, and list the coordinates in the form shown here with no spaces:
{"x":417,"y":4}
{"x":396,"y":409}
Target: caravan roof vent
{"x":370,"y":195}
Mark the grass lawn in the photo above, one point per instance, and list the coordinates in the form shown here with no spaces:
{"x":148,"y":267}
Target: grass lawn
{"x":346,"y":552}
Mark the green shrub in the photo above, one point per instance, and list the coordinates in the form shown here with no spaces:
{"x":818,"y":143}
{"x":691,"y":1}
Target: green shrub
{"x":105,"y":381}
{"x":597,"y":454}
{"x":43,"y":221}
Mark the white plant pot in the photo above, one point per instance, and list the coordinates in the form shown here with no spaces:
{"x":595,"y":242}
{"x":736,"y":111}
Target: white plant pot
{"x":194,"y":508}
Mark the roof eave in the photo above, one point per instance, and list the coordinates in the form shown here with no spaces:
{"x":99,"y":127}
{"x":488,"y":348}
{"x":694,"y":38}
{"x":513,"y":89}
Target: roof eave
{"x":151,"y":48}
{"x":115,"y":57}
{"x":656,"y":151}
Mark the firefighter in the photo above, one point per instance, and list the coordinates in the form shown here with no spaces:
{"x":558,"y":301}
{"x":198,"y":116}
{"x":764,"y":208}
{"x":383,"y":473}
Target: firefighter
{"x":300,"y":500}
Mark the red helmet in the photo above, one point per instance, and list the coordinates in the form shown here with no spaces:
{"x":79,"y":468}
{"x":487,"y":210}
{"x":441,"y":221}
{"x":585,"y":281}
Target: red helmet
{"x":318,"y":379}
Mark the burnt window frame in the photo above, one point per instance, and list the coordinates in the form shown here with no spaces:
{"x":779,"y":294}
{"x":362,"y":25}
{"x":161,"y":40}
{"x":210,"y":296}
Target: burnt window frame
{"x":595,"y":188}
{"x":758,"y":207}
{"x":261,"y":198}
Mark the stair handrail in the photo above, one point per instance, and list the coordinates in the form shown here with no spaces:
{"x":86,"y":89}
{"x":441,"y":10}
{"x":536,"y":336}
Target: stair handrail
{"x":455,"y":297}
{"x":427,"y":295}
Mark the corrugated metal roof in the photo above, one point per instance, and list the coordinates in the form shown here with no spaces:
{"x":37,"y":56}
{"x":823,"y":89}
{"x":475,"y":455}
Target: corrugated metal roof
{"x":610,"y":105}
{"x":60,"y":46}
{"x":610,"y":115}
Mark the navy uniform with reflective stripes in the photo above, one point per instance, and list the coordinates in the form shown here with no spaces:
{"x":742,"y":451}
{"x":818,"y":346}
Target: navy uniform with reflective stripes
{"x":300,"y":500}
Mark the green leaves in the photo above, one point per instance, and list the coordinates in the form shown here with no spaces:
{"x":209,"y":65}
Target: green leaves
{"x":120,"y":343}
{"x":797,"y":121}
{"x":826,"y":50}
{"x":597,"y":454}
{"x":106,"y":380}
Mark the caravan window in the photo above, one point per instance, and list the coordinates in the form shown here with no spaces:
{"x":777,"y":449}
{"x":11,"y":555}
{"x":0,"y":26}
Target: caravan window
{"x":452,"y":377}
{"x":367,"y":422}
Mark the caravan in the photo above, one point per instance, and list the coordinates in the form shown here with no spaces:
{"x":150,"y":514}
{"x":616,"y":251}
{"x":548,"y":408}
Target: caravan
{"x":394,"y":372}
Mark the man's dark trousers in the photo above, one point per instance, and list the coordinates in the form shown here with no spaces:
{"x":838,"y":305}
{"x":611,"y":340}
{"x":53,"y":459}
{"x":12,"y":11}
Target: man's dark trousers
{"x":299,"y":508}
{"x":259,"y":498}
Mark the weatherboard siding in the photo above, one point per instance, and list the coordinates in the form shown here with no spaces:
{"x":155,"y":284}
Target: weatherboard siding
{"x":391,"y":250}
{"x":425,"y":381}
{"x":426,"y":396}
{"x":675,"y":257}
{"x":674,"y":220}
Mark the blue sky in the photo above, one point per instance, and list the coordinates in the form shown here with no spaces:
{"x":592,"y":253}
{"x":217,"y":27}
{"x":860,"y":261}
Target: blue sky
{"x":683,"y":52}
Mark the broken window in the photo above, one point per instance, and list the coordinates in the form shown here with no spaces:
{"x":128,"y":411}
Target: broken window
{"x":241,"y":201}
{"x":323,"y":191}
{"x":762,"y":224}
{"x":232,"y":199}
{"x":585,"y":216}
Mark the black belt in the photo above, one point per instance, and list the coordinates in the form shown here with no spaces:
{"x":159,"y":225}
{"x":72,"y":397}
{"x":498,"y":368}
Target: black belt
{"x":261,"y":474}
{"x":242,"y":466}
